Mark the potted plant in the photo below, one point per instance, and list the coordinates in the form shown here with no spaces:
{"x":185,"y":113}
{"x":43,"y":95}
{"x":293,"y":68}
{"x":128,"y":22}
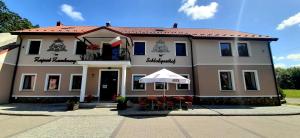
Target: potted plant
{"x":89,"y":98}
{"x":73,"y":104}
{"x":122,"y":104}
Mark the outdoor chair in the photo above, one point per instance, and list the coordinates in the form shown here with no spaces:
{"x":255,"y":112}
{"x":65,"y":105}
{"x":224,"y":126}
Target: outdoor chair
{"x":159,"y":105}
{"x":170,"y":105}
{"x":143,"y":105}
{"x":188,"y":103}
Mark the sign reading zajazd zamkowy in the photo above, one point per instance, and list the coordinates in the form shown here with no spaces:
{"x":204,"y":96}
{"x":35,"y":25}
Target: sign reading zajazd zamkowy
{"x":160,"y":47}
{"x":53,"y":59}
{"x":57,"y":46}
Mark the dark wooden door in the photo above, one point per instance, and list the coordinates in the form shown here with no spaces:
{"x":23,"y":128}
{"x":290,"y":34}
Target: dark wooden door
{"x":107,"y":51}
{"x":109,"y":85}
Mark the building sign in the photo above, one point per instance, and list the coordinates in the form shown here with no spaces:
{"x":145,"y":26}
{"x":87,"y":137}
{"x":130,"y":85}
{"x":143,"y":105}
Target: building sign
{"x":160,"y":48}
{"x":53,"y":59}
{"x":57,"y":46}
{"x":160,"y":60}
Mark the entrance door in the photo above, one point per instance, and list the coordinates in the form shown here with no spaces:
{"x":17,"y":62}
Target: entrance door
{"x":109,"y":85}
{"x":107,"y":51}
{"x":110,"y":53}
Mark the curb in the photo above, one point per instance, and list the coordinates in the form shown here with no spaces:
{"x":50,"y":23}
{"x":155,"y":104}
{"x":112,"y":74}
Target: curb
{"x":142,"y":114}
{"x":20,"y":114}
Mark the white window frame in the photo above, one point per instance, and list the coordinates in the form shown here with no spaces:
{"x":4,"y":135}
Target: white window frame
{"x":132,"y":88}
{"x":220,"y":50}
{"x":248,"y":47}
{"x":134,"y":47}
{"x":47,"y":79}
{"x":71,"y":82}
{"x":232,"y":80}
{"x":189,"y":86}
{"x":22,"y":81}
{"x":256,"y":79}
{"x":161,"y":89}
{"x":28,"y":45}
{"x":186,"y":48}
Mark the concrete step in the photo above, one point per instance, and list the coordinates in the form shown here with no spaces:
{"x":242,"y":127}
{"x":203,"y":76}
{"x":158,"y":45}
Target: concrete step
{"x":98,"y":105}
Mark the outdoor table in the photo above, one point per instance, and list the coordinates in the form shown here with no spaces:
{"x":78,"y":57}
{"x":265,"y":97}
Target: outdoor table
{"x":179,"y":98}
{"x":152,"y":98}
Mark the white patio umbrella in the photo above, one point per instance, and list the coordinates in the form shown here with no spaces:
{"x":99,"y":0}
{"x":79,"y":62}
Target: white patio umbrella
{"x":164,"y":76}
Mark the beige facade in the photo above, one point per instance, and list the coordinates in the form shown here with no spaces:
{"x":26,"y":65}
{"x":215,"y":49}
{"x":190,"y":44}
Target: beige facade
{"x":209,"y":85}
{"x":202,"y":65}
{"x":150,"y":90}
{"x":6,"y":73}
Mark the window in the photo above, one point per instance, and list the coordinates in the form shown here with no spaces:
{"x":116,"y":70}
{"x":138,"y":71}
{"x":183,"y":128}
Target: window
{"x":183,"y":86}
{"x":243,"y":49}
{"x":180,"y":49}
{"x":160,"y":86}
{"x":27,"y":82}
{"x":136,"y":85}
{"x":34,"y":47}
{"x":226,"y":80}
{"x":75,"y":82}
{"x":80,"y":48}
{"x":52,"y":82}
{"x":139,"y":48}
{"x":251,"y":80}
{"x":225,"y":49}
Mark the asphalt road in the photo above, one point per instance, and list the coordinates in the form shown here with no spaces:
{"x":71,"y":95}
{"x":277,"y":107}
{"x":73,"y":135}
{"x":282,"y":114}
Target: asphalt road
{"x":140,"y":127}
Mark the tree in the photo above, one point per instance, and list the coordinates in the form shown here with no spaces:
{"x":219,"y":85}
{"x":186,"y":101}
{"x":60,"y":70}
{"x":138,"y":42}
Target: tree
{"x":10,"y":21}
{"x":288,"y":78}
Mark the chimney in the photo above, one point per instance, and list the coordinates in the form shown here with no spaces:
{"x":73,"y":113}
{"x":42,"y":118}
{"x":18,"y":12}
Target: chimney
{"x":107,"y":24}
{"x":175,"y":25}
{"x":58,"y":23}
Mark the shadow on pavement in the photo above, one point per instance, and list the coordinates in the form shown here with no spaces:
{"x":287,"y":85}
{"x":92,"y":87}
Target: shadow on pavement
{"x":34,"y":107}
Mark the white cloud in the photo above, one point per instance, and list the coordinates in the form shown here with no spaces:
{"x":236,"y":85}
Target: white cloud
{"x":280,"y":65}
{"x":190,"y":8}
{"x":293,"y":56}
{"x":293,"y":20}
{"x":278,"y":58}
{"x":298,"y":65}
{"x":69,"y":10}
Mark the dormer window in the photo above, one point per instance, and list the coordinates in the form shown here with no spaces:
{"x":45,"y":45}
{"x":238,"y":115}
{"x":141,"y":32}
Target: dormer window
{"x":80,"y":48}
{"x":243,"y":50}
{"x":34,"y":47}
{"x":225,"y":49}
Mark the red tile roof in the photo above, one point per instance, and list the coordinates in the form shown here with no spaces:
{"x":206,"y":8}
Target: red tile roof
{"x":218,"y":33}
{"x":151,"y":31}
{"x":58,"y":29}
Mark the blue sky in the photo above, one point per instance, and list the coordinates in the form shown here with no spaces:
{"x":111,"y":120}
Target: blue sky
{"x":280,"y":18}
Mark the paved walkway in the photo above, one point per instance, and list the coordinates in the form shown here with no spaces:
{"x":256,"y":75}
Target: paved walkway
{"x":293,"y":100}
{"x":203,"y":110}
{"x":150,"y":126}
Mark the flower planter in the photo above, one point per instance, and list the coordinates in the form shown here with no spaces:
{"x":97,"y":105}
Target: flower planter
{"x":73,"y":106}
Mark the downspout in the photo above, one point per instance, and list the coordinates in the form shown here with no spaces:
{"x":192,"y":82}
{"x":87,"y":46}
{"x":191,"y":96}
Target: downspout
{"x":15,"y":71}
{"x":274,"y":74}
{"x":192,"y":60}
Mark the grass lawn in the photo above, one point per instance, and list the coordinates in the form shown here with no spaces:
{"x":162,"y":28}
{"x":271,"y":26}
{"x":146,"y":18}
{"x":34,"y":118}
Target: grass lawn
{"x":291,"y":93}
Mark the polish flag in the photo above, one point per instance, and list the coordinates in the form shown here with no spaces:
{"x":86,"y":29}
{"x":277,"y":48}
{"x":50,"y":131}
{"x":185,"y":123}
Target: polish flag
{"x":116,"y":41}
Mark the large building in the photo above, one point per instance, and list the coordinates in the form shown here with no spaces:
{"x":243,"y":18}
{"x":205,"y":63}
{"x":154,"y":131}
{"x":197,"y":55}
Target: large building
{"x":224,"y":66}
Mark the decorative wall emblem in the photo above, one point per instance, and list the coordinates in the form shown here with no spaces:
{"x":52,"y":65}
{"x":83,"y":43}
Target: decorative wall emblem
{"x":57,"y":46}
{"x":160,"y":47}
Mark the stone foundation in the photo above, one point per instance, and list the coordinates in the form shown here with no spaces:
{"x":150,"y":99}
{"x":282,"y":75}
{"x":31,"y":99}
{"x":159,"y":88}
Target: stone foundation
{"x":272,"y":101}
{"x":42,"y":99}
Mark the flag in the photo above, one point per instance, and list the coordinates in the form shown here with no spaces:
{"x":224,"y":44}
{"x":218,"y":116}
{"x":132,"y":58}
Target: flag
{"x":115,"y":42}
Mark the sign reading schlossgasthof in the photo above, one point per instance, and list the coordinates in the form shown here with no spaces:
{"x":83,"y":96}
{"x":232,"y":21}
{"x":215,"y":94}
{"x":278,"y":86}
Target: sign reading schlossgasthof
{"x":160,"y":60}
{"x":53,"y":59}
